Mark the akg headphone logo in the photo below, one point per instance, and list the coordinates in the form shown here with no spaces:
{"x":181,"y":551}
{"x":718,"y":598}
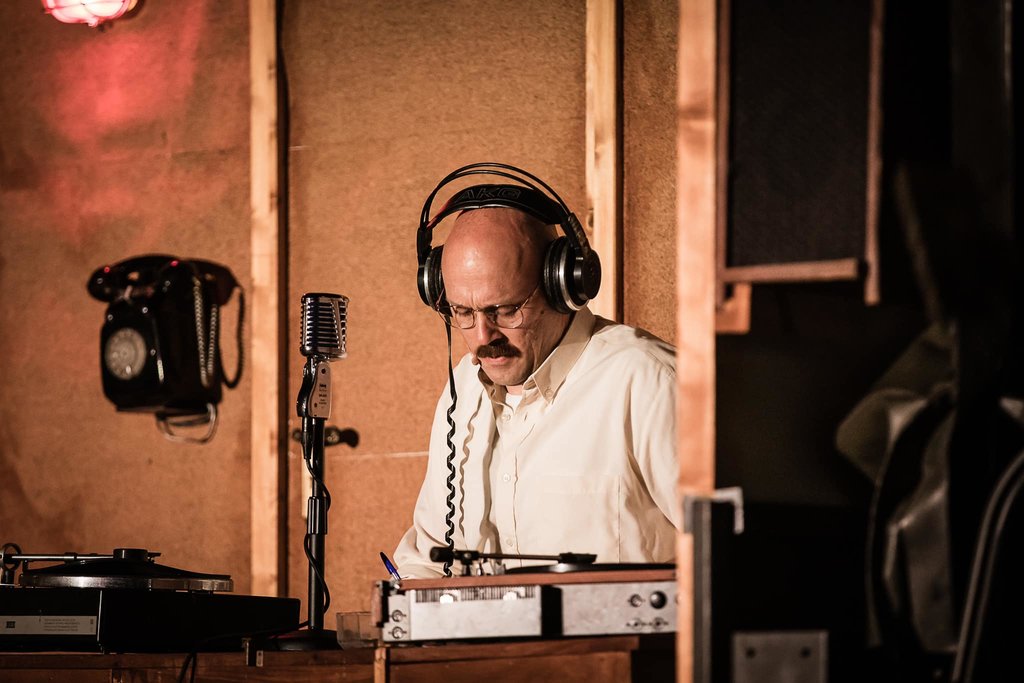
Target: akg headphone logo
{"x":483,"y":192}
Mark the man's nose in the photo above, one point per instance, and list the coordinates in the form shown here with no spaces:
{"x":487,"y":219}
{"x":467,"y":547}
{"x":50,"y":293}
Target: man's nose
{"x":483,"y":330}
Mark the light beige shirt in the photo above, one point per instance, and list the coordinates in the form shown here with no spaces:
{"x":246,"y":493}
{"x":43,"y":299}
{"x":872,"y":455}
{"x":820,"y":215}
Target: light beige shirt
{"x":585,"y":463}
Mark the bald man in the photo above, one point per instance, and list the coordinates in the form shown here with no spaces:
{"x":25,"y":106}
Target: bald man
{"x":564,"y":424}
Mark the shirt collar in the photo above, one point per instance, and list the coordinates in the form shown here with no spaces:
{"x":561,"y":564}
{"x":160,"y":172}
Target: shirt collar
{"x":553,"y":371}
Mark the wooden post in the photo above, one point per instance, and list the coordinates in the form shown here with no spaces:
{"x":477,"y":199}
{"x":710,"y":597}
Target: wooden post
{"x":872,"y":278}
{"x":695,"y":286}
{"x":267,"y":523}
{"x":604,"y":158}
{"x":382,"y":664}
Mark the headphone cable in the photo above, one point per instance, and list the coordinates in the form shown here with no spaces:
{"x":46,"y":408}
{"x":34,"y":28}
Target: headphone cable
{"x":449,"y":518}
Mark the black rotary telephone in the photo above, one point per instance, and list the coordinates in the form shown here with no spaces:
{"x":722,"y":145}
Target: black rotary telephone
{"x":158,"y":346}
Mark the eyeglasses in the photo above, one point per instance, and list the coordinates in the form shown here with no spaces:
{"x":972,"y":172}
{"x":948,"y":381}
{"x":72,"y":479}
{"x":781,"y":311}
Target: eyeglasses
{"x":506,"y":316}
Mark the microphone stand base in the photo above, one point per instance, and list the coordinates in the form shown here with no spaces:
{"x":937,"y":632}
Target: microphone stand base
{"x":305,"y":640}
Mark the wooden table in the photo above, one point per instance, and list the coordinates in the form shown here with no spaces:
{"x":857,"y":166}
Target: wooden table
{"x":617,"y":659}
{"x":612,"y":659}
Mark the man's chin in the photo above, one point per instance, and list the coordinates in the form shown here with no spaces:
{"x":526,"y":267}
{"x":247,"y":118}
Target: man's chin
{"x":503,"y":371}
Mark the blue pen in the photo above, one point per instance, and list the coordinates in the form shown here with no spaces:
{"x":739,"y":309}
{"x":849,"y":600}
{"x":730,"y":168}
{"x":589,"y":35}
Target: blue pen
{"x":390,"y":567}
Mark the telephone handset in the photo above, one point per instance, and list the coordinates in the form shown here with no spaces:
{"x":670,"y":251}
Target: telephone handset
{"x":147,"y":273}
{"x":159,"y":347}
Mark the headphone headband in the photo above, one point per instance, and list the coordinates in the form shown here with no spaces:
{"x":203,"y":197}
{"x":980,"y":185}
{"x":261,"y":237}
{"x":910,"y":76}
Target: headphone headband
{"x":572,"y":272}
{"x":516,"y":197}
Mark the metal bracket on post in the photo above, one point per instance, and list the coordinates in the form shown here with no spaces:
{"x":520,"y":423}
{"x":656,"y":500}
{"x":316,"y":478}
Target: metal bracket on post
{"x":697,"y":523}
{"x":731,"y":494}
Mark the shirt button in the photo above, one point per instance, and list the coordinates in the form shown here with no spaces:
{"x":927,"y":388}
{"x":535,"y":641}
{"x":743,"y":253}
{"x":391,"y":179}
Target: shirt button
{"x":505,"y":417}
{"x":509,"y":542}
{"x":506,"y":477}
{"x":548,"y":394}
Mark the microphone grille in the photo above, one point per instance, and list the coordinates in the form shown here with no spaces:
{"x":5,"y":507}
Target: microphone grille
{"x":324,"y":318}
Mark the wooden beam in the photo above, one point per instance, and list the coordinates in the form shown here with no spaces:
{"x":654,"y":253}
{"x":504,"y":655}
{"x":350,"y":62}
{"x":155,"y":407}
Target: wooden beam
{"x":382,"y":664}
{"x":872,"y":277}
{"x":723,"y":84}
{"x":696,"y":183}
{"x":803,"y":271}
{"x":732,"y":316}
{"x":603,"y":153}
{"x":266,"y":501}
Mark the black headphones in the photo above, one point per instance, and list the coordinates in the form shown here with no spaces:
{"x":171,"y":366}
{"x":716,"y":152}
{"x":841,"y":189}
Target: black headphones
{"x":571,"y":272}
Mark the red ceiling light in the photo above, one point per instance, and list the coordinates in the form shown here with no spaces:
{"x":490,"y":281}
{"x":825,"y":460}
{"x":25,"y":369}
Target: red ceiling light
{"x":92,"y":12}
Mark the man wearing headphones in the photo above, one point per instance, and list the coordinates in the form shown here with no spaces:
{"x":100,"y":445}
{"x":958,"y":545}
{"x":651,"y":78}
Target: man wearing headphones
{"x":564,"y":422}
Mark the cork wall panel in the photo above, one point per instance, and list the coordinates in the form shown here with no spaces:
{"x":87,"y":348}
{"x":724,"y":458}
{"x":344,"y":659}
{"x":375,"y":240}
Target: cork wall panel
{"x":117,"y":143}
{"x":373,"y":497}
{"x":386,"y":98}
{"x":650,"y":35}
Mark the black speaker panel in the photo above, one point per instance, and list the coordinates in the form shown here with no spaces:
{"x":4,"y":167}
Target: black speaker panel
{"x":799,"y":77}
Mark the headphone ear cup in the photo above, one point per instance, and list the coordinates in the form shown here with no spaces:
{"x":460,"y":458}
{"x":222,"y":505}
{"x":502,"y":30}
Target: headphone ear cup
{"x":429,"y":279}
{"x":587,"y":278}
{"x":557,"y":277}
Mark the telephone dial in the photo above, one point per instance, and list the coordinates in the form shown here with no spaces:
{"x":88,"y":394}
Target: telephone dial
{"x":159,"y":348}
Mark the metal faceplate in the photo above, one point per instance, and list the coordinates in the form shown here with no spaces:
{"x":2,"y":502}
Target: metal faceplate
{"x":470,"y":612}
{"x":614,"y":608}
{"x":395,"y":623}
{"x":320,"y":400}
{"x":581,"y":609}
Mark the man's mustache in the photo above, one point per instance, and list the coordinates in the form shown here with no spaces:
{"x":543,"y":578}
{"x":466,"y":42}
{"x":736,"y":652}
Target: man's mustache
{"x":497,"y":350}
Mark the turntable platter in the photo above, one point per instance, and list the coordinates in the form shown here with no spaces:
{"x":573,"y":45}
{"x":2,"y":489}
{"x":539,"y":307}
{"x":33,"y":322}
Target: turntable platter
{"x":126,"y":571}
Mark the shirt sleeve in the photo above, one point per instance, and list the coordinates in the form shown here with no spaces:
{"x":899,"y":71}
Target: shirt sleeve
{"x":654,"y":435}
{"x":412,"y":556}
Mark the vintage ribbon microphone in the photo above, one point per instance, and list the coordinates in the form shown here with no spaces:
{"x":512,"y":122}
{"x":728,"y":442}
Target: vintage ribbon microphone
{"x":323,"y":340}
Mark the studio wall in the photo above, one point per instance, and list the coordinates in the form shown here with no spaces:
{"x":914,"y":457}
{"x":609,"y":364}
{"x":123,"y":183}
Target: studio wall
{"x":115,"y":143}
{"x":387,"y":98}
{"x":134,"y":140}
{"x":650,"y":34}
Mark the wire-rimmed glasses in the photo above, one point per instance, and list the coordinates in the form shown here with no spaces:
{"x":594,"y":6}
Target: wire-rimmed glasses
{"x":506,"y":316}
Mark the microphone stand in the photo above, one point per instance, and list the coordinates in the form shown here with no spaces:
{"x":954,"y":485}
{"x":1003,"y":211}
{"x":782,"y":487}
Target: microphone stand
{"x":314,"y":407}
{"x":316,"y":510}
{"x":323,"y":340}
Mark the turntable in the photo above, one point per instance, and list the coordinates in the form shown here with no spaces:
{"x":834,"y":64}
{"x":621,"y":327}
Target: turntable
{"x":126,"y":602}
{"x":572,"y":596}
